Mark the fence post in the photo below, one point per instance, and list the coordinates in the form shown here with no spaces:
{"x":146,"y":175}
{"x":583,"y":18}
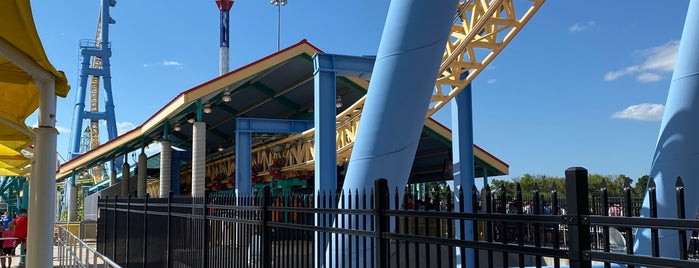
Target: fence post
{"x":266,"y":233}
{"x":128,"y":227}
{"x":114,"y":237}
{"x":578,"y":221}
{"x":205,"y":231}
{"x":145,"y":231}
{"x":628,"y":213}
{"x":679,"y":189}
{"x":381,"y":224}
{"x":169,"y":229}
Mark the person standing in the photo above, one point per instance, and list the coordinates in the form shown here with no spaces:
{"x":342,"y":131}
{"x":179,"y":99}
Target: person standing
{"x":21,"y":228}
{"x":8,"y":245}
{"x":6,"y":219}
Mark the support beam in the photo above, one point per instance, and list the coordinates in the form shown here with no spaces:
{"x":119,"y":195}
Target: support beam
{"x":125,"y":178}
{"x":142,"y":174}
{"x":198,"y":158}
{"x":463,"y":166}
{"x":165,"y":165}
{"x":43,"y":183}
{"x":71,"y":190}
{"x":326,"y":69}
{"x":243,"y":144}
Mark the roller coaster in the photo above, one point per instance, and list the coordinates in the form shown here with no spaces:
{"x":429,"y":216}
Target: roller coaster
{"x":481,"y":30}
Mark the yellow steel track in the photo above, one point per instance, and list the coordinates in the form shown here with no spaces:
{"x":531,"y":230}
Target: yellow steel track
{"x":94,"y":103}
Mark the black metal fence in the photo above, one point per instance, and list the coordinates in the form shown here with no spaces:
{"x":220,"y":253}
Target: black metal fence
{"x":381,"y":228}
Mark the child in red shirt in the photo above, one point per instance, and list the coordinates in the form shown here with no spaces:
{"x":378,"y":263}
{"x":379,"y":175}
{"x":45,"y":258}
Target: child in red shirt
{"x":8,"y":245}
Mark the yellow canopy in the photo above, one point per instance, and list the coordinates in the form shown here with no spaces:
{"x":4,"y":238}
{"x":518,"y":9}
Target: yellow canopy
{"x":19,"y":94}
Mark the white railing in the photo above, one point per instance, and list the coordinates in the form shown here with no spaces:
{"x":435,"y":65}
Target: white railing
{"x":73,"y":252}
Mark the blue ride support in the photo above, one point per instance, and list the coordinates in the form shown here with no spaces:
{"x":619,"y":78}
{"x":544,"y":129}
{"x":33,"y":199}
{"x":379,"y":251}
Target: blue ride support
{"x":243,"y":144}
{"x":463,"y":167}
{"x":326,"y":69}
{"x":677,"y":149}
{"x":407,"y":63}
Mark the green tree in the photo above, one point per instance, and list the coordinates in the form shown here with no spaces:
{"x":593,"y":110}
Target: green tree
{"x":618,"y":185}
{"x":639,"y":189}
{"x":497,"y":185}
{"x":544,"y":183}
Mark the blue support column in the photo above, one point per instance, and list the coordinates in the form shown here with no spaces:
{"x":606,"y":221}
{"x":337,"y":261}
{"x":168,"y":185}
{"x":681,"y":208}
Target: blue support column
{"x":243,"y":144}
{"x":402,"y":83}
{"x":677,"y":149}
{"x":243,"y":162}
{"x":407,"y":63}
{"x":325,"y":179}
{"x":464,"y":170}
{"x":326,"y":68}
{"x":325,"y":175}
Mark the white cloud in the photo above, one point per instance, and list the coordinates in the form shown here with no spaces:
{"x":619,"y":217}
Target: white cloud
{"x":146,"y":65}
{"x":171,"y":63}
{"x":655,"y":62}
{"x":649,"y":77}
{"x":578,"y":27}
{"x":63,"y":130}
{"x":123,"y":127}
{"x":492,"y":81}
{"x":643,"y":112}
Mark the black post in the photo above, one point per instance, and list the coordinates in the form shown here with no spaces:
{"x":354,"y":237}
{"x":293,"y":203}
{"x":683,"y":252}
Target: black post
{"x":145,"y":230}
{"x":578,"y":222}
{"x":169,"y":229}
{"x":628,"y":213}
{"x":114,"y":237}
{"x":128,"y":227}
{"x":381,"y":222}
{"x":679,"y":188}
{"x":653,"y":205}
{"x":205,"y":231}
{"x":266,"y":232}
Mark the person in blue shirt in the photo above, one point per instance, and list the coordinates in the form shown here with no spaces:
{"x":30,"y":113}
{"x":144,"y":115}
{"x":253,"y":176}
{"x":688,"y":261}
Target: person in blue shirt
{"x":6,"y":219}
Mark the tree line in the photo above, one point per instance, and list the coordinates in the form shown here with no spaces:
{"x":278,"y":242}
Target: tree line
{"x":615,"y":185}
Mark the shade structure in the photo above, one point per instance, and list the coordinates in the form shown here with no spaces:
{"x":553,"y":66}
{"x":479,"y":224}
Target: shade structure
{"x":19,"y":94}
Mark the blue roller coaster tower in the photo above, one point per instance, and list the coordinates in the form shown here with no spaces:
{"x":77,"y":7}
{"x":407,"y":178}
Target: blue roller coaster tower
{"x":94,"y":63}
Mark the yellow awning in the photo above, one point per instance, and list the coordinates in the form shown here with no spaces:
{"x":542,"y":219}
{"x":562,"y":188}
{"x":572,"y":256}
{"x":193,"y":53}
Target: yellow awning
{"x":19,"y":94}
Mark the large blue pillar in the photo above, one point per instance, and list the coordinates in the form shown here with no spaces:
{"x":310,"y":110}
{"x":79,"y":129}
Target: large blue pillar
{"x":407,"y":63}
{"x":677,"y":149}
{"x":463,"y":168}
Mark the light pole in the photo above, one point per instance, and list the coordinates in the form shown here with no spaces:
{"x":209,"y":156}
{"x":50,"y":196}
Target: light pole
{"x":279,"y":4}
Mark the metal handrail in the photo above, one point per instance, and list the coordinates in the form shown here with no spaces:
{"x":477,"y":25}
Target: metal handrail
{"x":73,"y":252}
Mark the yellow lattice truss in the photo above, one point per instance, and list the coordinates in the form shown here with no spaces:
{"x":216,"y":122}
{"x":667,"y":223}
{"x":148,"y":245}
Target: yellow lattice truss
{"x":482,"y":30}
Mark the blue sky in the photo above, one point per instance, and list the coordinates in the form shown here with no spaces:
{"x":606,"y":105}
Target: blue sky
{"x":583,"y":84}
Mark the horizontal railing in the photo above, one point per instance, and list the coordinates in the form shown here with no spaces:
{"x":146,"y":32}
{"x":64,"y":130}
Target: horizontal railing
{"x":73,"y":252}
